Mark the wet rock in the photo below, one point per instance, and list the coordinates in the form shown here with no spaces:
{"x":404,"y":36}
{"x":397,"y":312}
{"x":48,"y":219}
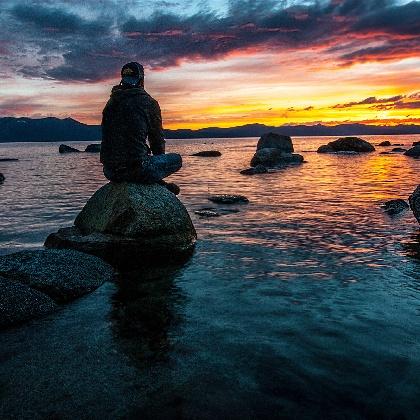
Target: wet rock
{"x":275,"y":158}
{"x":397,"y":144}
{"x":414,"y":201}
{"x":384,"y":143}
{"x":413,"y":152}
{"x":207,"y":213}
{"x":8,"y":160}
{"x":63,"y":275}
{"x":416,"y":143}
{"x":385,"y":153}
{"x":347,"y":144}
{"x":259,"y":169}
{"x":398,"y":150}
{"x":128,"y":223}
{"x":275,"y":141}
{"x":208,"y":153}
{"x":67,"y":149}
{"x":2,"y":178}
{"x":93,"y":148}
{"x":228,"y":199}
{"x":20,"y":303}
{"x":393,"y":207}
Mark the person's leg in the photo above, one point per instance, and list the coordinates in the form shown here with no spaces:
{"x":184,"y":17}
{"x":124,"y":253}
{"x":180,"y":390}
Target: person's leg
{"x":155,"y":168}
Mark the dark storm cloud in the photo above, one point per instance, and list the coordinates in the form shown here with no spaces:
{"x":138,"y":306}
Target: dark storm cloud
{"x":93,"y":46}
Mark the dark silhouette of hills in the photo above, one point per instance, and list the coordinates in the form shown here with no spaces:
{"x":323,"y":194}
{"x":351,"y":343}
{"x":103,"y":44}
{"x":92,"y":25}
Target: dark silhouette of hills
{"x":54,"y":129}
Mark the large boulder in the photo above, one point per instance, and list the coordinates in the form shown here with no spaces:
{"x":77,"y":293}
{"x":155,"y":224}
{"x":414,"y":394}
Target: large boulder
{"x":414,"y":200}
{"x":67,"y":149}
{"x":347,"y":144}
{"x":275,"y":141}
{"x":272,"y":157}
{"x":130,"y":224}
{"x":413,"y":152}
{"x":19,"y":303}
{"x":63,"y":275}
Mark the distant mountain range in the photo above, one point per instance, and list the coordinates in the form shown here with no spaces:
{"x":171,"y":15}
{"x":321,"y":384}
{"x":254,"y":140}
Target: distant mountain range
{"x":54,"y":129}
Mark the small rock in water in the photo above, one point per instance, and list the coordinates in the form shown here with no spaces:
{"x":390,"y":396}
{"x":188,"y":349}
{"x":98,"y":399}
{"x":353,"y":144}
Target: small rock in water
{"x":347,"y":144}
{"x":207,"y":213}
{"x":93,"y":148}
{"x":2,"y":178}
{"x":395,"y":206}
{"x":384,"y":143}
{"x":414,"y":201}
{"x":398,"y":150}
{"x":397,"y":144}
{"x":413,"y":152}
{"x":208,"y":153}
{"x":8,"y":160}
{"x":228,"y":199}
{"x":67,"y":149}
{"x":259,"y":169}
{"x":19,"y":303}
{"x":62,"y":274}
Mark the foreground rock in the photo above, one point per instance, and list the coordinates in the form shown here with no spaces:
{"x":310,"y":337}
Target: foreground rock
{"x":393,"y":207}
{"x":67,"y":149}
{"x":63,"y":275}
{"x":275,"y":141}
{"x":275,"y":158}
{"x":19,"y":303}
{"x":413,"y":152}
{"x":385,"y":143}
{"x":208,"y":153}
{"x":228,"y":199}
{"x":414,"y":200}
{"x":347,"y":144}
{"x":93,"y":148}
{"x":130,"y":224}
{"x":259,"y":169}
{"x":2,"y":178}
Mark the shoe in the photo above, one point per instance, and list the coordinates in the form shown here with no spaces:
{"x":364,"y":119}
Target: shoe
{"x":171,"y":186}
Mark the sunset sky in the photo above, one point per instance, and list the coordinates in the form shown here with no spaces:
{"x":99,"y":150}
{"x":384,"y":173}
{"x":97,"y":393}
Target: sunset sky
{"x":216,"y":63}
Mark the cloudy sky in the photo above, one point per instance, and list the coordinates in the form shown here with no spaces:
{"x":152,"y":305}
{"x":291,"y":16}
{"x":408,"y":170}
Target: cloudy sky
{"x":216,"y":63}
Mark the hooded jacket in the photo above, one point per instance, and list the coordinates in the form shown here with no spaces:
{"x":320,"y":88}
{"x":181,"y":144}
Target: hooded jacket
{"x":130,"y":117}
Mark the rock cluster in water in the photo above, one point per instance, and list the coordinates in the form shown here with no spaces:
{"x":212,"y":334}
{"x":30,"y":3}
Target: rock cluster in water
{"x":347,"y":144}
{"x":34,"y":283}
{"x":414,"y":200}
{"x":129,"y":223}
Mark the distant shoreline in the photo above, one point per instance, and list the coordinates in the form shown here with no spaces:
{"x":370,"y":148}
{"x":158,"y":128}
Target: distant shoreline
{"x":53,"y":129}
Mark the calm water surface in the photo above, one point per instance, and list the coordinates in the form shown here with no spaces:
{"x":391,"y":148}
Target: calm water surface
{"x":305,"y":304}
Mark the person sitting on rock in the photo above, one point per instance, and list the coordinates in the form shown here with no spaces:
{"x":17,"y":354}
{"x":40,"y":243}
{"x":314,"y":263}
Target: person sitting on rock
{"x":130,"y":117}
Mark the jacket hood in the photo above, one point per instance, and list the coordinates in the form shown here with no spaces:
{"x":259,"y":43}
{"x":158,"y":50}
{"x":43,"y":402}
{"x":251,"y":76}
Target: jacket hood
{"x":118,"y":91}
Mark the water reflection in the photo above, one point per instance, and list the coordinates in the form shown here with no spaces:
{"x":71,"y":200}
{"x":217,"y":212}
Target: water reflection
{"x":145,"y":307}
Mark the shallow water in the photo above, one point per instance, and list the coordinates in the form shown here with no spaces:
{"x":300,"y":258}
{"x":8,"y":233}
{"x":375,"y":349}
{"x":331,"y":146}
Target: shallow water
{"x":306,"y":303}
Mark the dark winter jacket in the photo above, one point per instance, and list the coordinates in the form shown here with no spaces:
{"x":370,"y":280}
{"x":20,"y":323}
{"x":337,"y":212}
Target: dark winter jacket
{"x":129,"y":118}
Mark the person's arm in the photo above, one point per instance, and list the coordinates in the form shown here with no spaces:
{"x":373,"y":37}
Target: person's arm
{"x":156,"y":137}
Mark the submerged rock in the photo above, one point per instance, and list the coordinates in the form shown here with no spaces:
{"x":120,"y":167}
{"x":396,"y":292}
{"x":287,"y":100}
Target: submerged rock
{"x":20,"y":303}
{"x":398,"y":150}
{"x":130,"y":224}
{"x":228,"y":199}
{"x":413,"y":152}
{"x":207,"y":213}
{"x":208,"y":153}
{"x":8,"y":160}
{"x":63,"y":275}
{"x":93,"y":148}
{"x":274,"y":158}
{"x":393,"y":207}
{"x":347,"y":144}
{"x":414,"y":201}
{"x":275,"y":141}
{"x":384,"y":143}
{"x":67,"y":149}
{"x":2,"y":178}
{"x":259,"y":169}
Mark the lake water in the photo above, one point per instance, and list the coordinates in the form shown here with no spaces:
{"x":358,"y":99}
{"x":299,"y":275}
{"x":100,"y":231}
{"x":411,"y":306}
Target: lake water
{"x":304,"y":304}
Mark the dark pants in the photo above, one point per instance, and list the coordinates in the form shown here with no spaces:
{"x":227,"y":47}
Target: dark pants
{"x":152,"y":169}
